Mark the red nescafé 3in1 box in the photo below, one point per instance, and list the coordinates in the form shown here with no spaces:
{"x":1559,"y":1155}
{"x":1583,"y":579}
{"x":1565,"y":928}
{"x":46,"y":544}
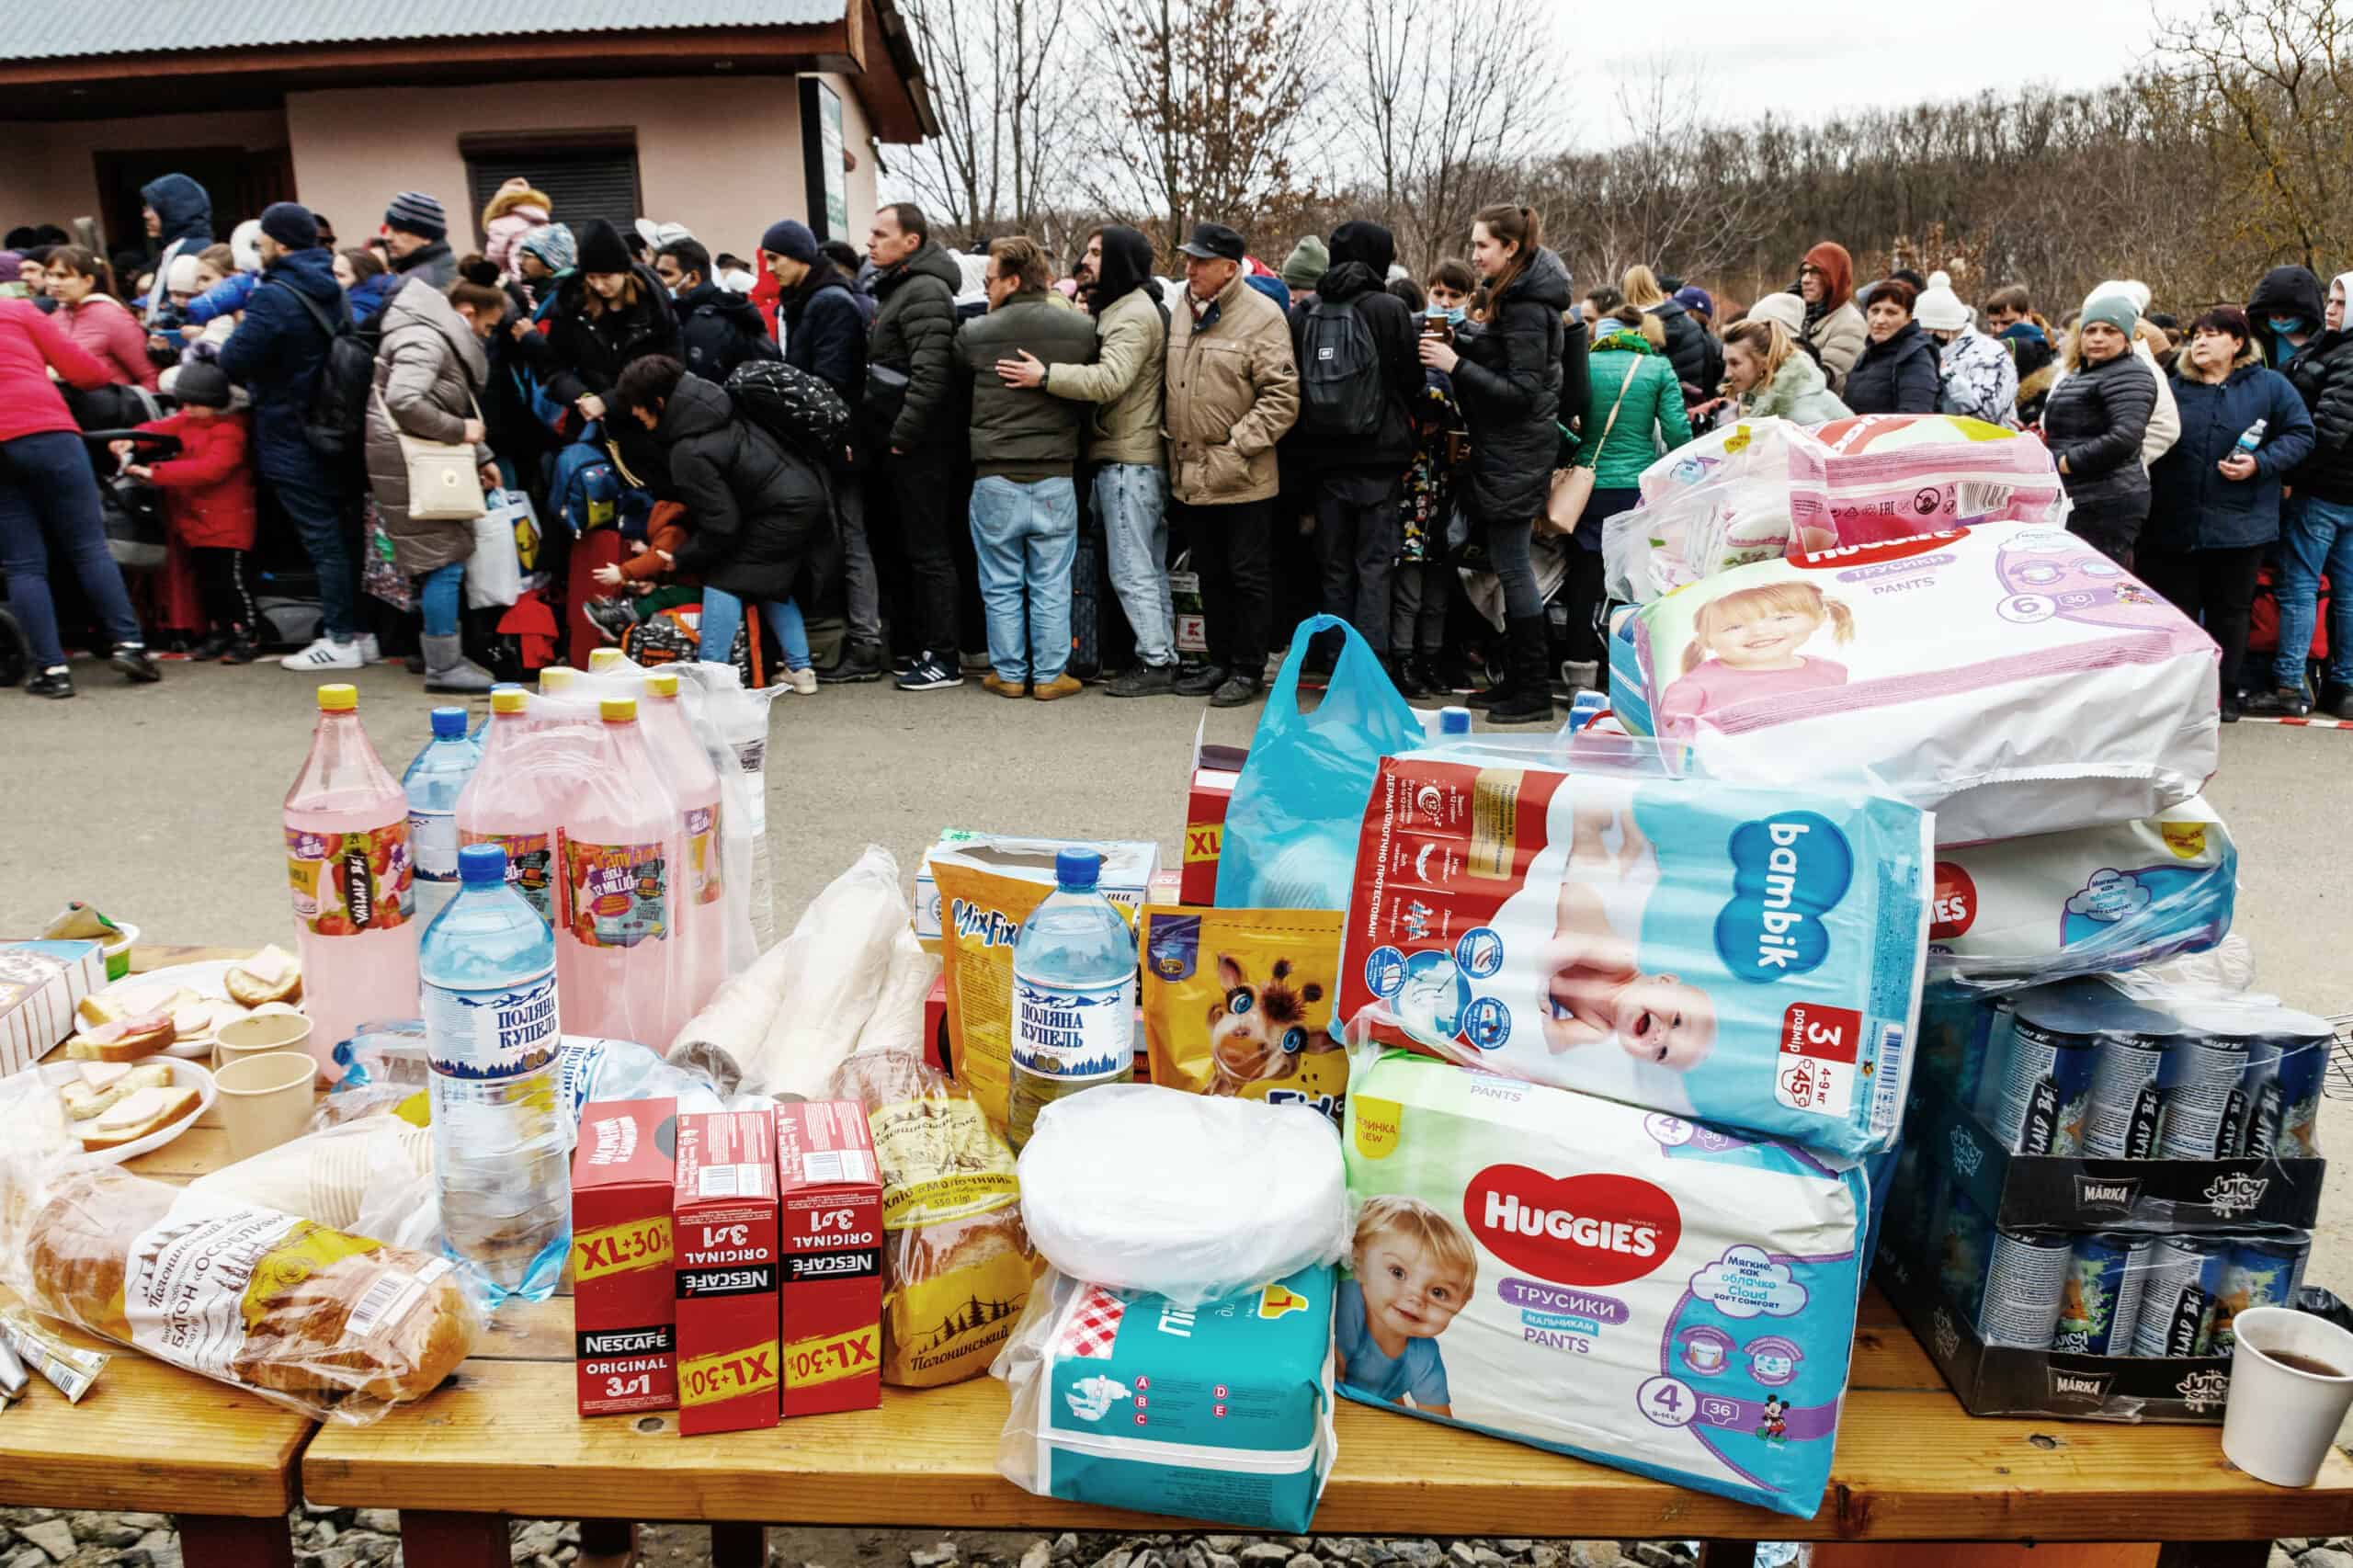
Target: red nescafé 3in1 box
{"x":624,"y":1316}
{"x":726,"y":1271}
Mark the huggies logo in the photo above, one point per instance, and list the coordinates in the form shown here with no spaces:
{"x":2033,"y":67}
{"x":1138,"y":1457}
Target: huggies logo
{"x":1581,"y":1230}
{"x":1787,"y":871}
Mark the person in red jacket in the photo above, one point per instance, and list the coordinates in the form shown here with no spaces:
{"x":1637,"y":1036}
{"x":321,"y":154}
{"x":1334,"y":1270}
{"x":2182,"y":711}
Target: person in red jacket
{"x":49,"y":499}
{"x":209,"y":506}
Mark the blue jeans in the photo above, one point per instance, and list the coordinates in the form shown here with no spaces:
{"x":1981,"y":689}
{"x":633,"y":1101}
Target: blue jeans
{"x":437,"y":597}
{"x":313,"y":503}
{"x":2315,"y":538}
{"x":1024,"y":537}
{"x":49,"y":500}
{"x":723,"y":615}
{"x":1132,"y":501}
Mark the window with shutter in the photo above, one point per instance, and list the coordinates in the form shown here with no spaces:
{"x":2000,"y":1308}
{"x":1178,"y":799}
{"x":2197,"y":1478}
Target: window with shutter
{"x":597,"y":180}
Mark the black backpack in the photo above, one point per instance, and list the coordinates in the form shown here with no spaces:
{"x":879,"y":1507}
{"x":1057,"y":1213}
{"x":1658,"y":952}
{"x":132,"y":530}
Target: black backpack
{"x":336,"y":423}
{"x":801,"y":410}
{"x":1339,"y":374}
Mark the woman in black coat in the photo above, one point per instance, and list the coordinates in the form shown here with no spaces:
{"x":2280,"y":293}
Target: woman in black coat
{"x":1897,"y":371}
{"x":607,"y":313}
{"x":2094,"y":422}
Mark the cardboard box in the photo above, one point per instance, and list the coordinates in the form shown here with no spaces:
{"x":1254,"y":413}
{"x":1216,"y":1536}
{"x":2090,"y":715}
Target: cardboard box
{"x":40,"y":983}
{"x":725,"y":1271}
{"x":1128,"y":869}
{"x":1213,"y":774}
{"x":624,"y":1313}
{"x":832,"y":1309}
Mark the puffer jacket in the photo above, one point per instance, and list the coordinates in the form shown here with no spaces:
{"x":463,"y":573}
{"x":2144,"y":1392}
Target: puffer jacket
{"x":1838,"y":335}
{"x":1981,"y":382}
{"x":1898,"y":376}
{"x":371,"y":295}
{"x":2191,"y":505}
{"x":1697,"y":358}
{"x":430,"y":374}
{"x":208,"y":490}
{"x":2322,"y":377}
{"x":1652,"y":409}
{"x":277,"y":353}
{"x":1233,"y":392}
{"x":1360,"y":256}
{"x":510,"y":214}
{"x":1127,"y":385}
{"x":1509,"y":382}
{"x":2165,"y":420}
{"x":1797,"y":393}
{"x":580,"y":353}
{"x":719,"y":329}
{"x":824,"y":331}
{"x":754,"y":512}
{"x":915,"y":334}
{"x":2095,"y":422}
{"x":1024,"y":433}
{"x":104,"y":326}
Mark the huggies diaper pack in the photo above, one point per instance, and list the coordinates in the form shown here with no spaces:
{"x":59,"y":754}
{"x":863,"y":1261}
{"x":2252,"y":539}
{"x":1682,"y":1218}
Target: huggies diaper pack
{"x":2008,"y":677}
{"x":1748,"y":956}
{"x":1221,"y":1411}
{"x":2087,"y":900}
{"x":1631,"y":1288}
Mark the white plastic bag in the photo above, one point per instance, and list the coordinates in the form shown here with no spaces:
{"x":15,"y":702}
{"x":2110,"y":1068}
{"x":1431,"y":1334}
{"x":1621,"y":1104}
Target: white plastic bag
{"x":732,"y":724}
{"x":1188,"y":1196}
{"x":495,"y":571}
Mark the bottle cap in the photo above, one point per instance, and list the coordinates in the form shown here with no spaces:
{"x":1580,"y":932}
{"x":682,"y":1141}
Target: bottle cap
{"x":1454,"y":721}
{"x":449,"y":723}
{"x":482,"y":863}
{"x":555,"y":677}
{"x":617,"y":710}
{"x":338,"y":697}
{"x":602,"y":661}
{"x":509,"y":699}
{"x":662,"y":683}
{"x":1078,"y":868}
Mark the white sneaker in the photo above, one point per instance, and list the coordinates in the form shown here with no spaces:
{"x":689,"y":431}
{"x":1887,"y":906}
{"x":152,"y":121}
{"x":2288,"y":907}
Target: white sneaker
{"x":326,"y":653}
{"x":802,"y":683}
{"x":369,"y":652}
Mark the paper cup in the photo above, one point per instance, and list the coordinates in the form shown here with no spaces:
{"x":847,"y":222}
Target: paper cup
{"x":257,"y":1034}
{"x":2281,"y":1418}
{"x":264,"y":1100}
{"x":118,"y":951}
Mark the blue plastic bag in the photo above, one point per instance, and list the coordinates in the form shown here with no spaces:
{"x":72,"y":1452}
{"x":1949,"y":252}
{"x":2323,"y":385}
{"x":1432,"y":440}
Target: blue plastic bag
{"x":1291,"y":830}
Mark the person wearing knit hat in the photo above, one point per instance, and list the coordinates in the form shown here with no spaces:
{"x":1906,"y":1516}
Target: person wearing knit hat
{"x":791,"y":238}
{"x":207,"y":490}
{"x":600,"y":249}
{"x":416,"y":230}
{"x":1979,"y":378}
{"x":1305,"y":267}
{"x":545,"y":253}
{"x":183,"y":278}
{"x":2094,"y":421}
{"x":2114,"y":309}
{"x":605,"y":313}
{"x":1789,"y":311}
{"x":291,"y":224}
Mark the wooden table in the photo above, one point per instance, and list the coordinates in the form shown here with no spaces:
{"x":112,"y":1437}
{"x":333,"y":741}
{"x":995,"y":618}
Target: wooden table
{"x":501,"y":1441}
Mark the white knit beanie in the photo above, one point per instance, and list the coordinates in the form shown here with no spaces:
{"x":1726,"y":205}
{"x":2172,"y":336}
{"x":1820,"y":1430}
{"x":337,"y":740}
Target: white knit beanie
{"x":180,"y":276}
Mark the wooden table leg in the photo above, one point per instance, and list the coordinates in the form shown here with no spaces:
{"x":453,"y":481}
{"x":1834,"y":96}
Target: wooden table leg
{"x":214,"y":1541}
{"x":605,"y":1541}
{"x":739,"y":1546}
{"x":2216,"y":1555}
{"x":1727,"y":1554}
{"x":458,"y":1540}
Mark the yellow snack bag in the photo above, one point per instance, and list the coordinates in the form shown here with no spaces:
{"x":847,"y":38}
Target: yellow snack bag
{"x":980,"y":916}
{"x":1239,"y":1001}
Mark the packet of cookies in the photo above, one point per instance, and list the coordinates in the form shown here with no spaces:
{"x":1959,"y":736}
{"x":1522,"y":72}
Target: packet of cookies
{"x":956,"y":1262}
{"x":1239,"y":1001}
{"x":980,"y":916}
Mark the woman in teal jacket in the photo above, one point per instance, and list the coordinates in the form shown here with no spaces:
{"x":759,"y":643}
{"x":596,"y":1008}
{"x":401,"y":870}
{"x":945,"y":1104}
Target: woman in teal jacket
{"x":1624,"y":359}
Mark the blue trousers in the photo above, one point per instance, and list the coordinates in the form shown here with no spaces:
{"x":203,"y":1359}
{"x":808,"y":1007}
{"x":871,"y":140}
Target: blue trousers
{"x":1025,"y":537}
{"x":436,"y":598}
{"x":313,"y":503}
{"x":49,"y":501}
{"x":723,"y":617}
{"x":2315,"y":541}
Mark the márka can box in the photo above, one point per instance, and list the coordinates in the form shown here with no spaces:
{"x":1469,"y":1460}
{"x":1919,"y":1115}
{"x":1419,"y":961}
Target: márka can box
{"x":624,"y":1318}
{"x":726,"y":1271}
{"x":832,"y":1188}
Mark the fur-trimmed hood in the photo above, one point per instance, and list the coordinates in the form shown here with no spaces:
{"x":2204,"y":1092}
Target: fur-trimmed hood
{"x":519,"y":197}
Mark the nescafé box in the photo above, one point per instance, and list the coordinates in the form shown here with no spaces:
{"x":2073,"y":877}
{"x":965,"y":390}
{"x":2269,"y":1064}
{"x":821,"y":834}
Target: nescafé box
{"x":832,"y":1293}
{"x":624,"y":1316}
{"x":725,"y":1271}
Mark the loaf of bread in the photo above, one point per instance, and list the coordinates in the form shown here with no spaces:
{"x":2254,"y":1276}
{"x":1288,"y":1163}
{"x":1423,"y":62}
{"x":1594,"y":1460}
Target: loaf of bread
{"x":334,"y":1325}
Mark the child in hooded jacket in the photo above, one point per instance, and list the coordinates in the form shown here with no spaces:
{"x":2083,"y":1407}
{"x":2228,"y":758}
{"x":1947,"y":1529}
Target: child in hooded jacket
{"x":208,"y":492}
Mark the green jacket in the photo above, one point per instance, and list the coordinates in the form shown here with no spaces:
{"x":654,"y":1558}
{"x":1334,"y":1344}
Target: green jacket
{"x":1023,"y":433}
{"x":1654,"y":401}
{"x":1126,"y":383}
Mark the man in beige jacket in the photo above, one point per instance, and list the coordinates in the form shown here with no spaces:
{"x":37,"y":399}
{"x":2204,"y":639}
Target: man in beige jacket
{"x":1233,"y":391}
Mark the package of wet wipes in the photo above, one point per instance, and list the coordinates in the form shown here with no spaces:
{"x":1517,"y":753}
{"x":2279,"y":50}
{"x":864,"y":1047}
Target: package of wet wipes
{"x":2008,"y":677}
{"x":1744,"y":956}
{"x":1631,"y":1288}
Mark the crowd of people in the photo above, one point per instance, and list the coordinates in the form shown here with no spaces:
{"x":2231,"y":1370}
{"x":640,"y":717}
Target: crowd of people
{"x":916,"y":452}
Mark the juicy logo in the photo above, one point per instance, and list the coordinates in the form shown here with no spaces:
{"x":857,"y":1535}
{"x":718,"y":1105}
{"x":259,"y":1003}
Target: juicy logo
{"x":1788,"y":872}
{"x":2236,"y":1193}
{"x":992,"y":927}
{"x":1583,"y":1230}
{"x":2202,"y":1391}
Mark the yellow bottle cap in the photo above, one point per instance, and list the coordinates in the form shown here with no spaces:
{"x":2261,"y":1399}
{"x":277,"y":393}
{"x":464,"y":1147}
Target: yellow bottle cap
{"x":617,"y":710}
{"x":555,"y":677}
{"x":662,"y":683}
{"x":338,"y":699}
{"x":603,"y":659}
{"x":509,"y":699}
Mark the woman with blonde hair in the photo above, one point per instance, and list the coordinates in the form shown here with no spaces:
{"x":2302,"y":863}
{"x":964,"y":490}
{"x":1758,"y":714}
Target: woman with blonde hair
{"x":1770,"y":376}
{"x":1699,"y":365}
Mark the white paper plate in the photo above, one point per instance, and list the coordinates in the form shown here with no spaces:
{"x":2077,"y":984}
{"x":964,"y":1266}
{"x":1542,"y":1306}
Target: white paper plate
{"x":57,"y":1074}
{"x":206,"y":977}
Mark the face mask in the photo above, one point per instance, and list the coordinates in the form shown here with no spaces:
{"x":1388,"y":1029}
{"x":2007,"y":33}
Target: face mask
{"x":2284,"y":324}
{"x":1456,"y":317}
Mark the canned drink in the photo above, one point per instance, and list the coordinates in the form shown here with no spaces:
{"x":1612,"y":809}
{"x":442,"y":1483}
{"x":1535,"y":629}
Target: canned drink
{"x":2261,"y":1272}
{"x":2185,"y":1278}
{"x":2203,"y":1086}
{"x":2026,"y":1279}
{"x":2283,"y":1079}
{"x":2046,"y":1089}
{"x":2102,"y":1305}
{"x":2122,"y":1122}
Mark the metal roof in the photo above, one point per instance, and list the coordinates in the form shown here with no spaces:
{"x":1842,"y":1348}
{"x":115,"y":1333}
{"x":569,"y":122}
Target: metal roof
{"x":143,"y":26}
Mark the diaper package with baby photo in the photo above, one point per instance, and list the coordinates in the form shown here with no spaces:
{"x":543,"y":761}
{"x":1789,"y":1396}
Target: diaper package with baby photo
{"x":2087,"y":900}
{"x":1633,"y":1289}
{"x":1239,"y":1001}
{"x":1747,"y":957}
{"x":1219,"y":1412}
{"x":2008,"y":677}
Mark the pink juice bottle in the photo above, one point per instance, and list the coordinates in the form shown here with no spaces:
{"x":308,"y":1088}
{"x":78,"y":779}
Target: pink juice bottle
{"x":621,"y":854}
{"x":348,"y":859}
{"x":513,"y":800}
{"x":702,"y":920}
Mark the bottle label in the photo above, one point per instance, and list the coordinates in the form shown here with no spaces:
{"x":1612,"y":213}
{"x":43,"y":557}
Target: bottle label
{"x":530,"y":867}
{"x":489,"y":1033}
{"x":1075,"y":1032}
{"x":433,"y":846}
{"x":702,"y":854}
{"x":619,"y":892}
{"x":348,"y":882}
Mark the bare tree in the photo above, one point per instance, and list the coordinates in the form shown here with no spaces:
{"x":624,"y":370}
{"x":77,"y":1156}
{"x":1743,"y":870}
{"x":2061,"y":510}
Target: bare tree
{"x":1008,"y":94}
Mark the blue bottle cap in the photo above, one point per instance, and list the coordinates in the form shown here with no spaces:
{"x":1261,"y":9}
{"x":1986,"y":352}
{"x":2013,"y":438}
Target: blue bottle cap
{"x":480,"y":863}
{"x":1454,"y":721}
{"x":1078,"y":868}
{"x":449,"y":723}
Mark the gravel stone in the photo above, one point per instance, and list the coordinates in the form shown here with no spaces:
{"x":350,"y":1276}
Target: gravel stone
{"x":1040,"y":1555}
{"x":56,"y":1538}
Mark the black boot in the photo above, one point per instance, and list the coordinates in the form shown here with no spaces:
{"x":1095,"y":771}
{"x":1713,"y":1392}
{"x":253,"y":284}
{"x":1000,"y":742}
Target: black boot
{"x":1413,"y":681}
{"x":1530,"y":698}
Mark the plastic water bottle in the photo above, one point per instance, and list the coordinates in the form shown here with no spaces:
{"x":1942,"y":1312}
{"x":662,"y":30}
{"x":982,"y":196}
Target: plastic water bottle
{"x":491,"y":1035}
{"x":1073,"y":994}
{"x":2252,"y":436}
{"x":433,"y":783}
{"x":348,"y":857}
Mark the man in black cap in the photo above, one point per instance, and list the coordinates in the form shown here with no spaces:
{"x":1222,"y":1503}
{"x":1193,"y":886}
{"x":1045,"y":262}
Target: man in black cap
{"x":1229,"y":349}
